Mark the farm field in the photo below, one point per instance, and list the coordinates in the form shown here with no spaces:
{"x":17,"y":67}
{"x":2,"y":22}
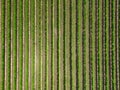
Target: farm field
{"x":59,"y":45}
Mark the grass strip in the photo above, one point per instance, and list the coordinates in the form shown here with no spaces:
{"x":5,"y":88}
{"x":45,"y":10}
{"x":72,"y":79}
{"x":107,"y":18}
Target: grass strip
{"x":70,"y":44}
{"x":116,"y":45}
{"x":20,"y":42}
{"x":113,"y":44}
{"x":97,"y":42}
{"x":46,"y":44}
{"x":78,"y":44}
{"x":52,"y":45}
{"x":3,"y":43}
{"x":8,"y":43}
{"x":14,"y":44}
{"x":100,"y":45}
{"x":93,"y":46}
{"x":67,"y":45}
{"x":110,"y":85}
{"x":90,"y":44}
{"x":106,"y":46}
{"x":64,"y":50}
{"x":73,"y":42}
{"x":58,"y":44}
{"x":26,"y":25}
{"x":103,"y":44}
{"x":40,"y":44}
{"x":32,"y":38}
{"x":119,"y":37}
{"x":84,"y":43}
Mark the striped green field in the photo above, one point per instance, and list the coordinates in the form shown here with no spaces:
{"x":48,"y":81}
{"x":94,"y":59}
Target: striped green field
{"x":59,"y":45}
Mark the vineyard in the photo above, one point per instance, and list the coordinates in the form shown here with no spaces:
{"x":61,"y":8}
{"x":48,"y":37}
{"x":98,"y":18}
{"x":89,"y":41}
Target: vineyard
{"x":59,"y":45}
